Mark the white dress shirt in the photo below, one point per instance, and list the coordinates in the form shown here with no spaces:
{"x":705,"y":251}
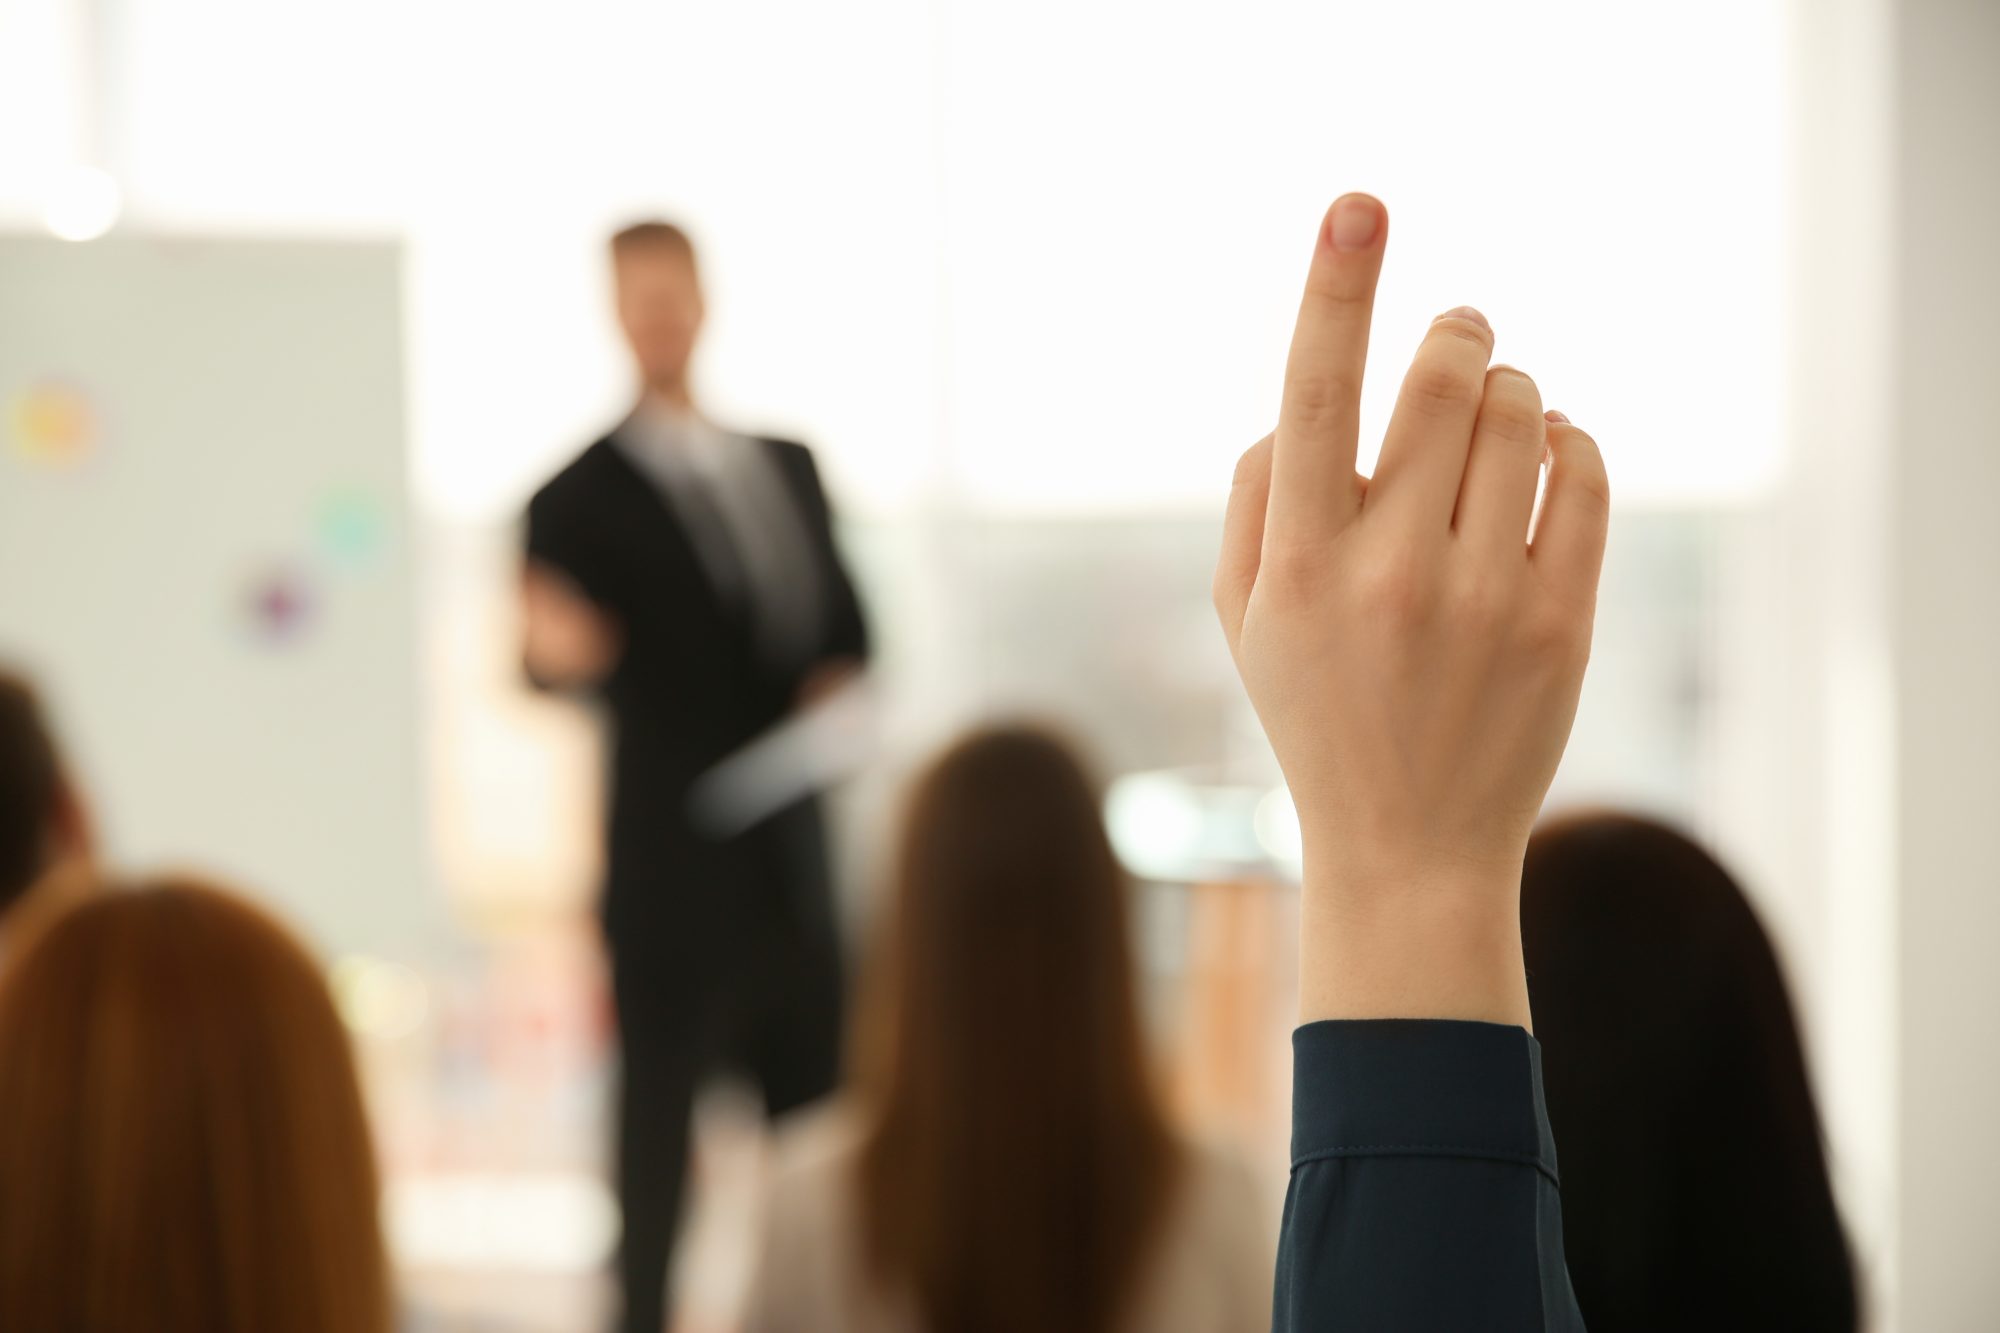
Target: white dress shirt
{"x":747,"y":528}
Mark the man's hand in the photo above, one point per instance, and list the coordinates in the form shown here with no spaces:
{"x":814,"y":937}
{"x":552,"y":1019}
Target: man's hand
{"x":1414,"y":658}
{"x":567,"y":641}
{"x":825,"y":680}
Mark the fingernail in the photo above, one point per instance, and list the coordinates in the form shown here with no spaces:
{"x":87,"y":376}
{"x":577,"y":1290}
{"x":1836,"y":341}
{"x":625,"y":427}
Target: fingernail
{"x":1556,"y":417}
{"x":1466,"y":312}
{"x":1356,"y":219}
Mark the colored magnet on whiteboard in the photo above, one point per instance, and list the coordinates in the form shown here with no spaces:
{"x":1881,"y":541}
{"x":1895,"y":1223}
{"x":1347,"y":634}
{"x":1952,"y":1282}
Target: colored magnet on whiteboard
{"x":351,"y":528}
{"x":50,"y":423}
{"x":279,"y":605}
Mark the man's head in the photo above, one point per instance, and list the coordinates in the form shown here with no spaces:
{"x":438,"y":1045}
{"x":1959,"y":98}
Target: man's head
{"x":41,"y":820}
{"x":659,"y":302}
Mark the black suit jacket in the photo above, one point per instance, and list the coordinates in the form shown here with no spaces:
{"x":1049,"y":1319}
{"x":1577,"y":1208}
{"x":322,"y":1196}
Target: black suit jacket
{"x":691,"y":686}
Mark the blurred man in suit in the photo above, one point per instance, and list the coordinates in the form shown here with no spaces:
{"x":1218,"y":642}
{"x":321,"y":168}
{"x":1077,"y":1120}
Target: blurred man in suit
{"x":687,"y":576}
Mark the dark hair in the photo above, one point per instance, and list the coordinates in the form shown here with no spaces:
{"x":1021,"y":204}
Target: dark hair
{"x":1694,"y":1175}
{"x":1017,"y":1156}
{"x":652,"y":234}
{"x":30,"y":789}
{"x":182,"y":1142}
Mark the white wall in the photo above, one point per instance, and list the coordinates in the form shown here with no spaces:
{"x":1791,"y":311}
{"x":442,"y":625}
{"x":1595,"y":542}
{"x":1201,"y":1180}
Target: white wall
{"x":1035,"y":257}
{"x":1815,"y":764}
{"x":1886,"y":762}
{"x":1945,"y":585}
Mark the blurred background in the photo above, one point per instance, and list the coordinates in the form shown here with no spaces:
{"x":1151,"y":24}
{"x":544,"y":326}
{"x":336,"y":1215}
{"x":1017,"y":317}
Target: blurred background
{"x":299,"y":301}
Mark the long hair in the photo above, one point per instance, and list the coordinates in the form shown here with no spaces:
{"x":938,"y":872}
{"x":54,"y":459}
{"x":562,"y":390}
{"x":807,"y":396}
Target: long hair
{"x":30,"y":789}
{"x":1017,"y":1158}
{"x":1695,"y":1185}
{"x":182,"y":1142}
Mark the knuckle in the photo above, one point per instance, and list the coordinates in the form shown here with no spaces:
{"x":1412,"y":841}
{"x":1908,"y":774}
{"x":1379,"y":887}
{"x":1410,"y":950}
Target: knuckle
{"x":1595,"y":492}
{"x":1585,"y":483}
{"x":1251,"y":462}
{"x":1460,"y":329}
{"x":1290,"y":570}
{"x":1341,"y":293}
{"x":1520,"y":430}
{"x":1577,"y":446}
{"x":1553,"y":635}
{"x":1226,"y":613}
{"x":1317,"y":396}
{"x":1395,"y":590}
{"x":1437,"y":387}
{"x":1512,"y":408}
{"x":1512,"y":428}
{"x":1516,"y":390}
{"x":1480,"y":599}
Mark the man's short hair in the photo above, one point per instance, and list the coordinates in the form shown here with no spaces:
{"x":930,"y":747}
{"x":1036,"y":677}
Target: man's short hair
{"x":30,"y":788}
{"x":651,"y":234}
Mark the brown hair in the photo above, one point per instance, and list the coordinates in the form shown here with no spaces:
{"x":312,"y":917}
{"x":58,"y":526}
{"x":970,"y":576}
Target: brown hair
{"x":1694,"y":1170}
{"x":182,"y":1142}
{"x":1017,"y":1157}
{"x":31,"y":789}
{"x":652,"y":234}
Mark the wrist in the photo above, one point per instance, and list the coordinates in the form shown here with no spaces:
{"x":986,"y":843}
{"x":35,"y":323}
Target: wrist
{"x":1412,"y":870}
{"x":1412,"y":937}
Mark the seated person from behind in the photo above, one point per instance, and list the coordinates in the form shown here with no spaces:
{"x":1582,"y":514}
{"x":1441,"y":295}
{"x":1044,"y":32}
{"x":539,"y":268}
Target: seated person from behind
{"x":1696,"y":1192}
{"x":42,"y":820}
{"x":183,"y":1147}
{"x":1009,"y":1163}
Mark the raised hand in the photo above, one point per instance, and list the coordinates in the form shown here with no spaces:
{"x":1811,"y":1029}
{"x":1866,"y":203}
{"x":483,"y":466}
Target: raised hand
{"x":1414,"y":656}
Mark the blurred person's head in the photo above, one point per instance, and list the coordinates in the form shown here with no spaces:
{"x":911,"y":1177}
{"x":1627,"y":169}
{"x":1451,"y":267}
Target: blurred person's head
{"x":658,"y":288}
{"x":1018,"y":1158}
{"x":41,"y":818}
{"x":1694,"y":1175}
{"x":182,"y":1142}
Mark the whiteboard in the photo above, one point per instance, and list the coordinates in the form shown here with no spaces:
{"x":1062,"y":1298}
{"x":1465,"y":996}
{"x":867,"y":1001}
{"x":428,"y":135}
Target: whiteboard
{"x":205,"y":562}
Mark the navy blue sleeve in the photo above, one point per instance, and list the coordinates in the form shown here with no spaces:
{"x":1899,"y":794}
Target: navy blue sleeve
{"x":1423,"y":1192}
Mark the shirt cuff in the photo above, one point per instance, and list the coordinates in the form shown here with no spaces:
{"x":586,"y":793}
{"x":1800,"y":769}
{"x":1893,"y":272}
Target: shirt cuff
{"x":1419,"y":1087}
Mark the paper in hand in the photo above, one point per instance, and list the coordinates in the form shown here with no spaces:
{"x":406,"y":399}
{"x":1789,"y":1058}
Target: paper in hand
{"x":807,"y":752}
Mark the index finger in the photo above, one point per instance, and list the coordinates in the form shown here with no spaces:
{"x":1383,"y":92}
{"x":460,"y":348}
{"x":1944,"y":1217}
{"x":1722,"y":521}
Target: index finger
{"x":1313,"y":491}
